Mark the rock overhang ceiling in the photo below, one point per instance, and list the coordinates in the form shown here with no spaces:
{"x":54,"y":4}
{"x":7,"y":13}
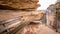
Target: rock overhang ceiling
{"x":20,"y":4}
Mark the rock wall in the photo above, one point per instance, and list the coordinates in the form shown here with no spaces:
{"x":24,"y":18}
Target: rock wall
{"x":57,"y":18}
{"x":20,"y":4}
{"x":24,"y":8}
{"x":31,"y":15}
{"x":27,"y":7}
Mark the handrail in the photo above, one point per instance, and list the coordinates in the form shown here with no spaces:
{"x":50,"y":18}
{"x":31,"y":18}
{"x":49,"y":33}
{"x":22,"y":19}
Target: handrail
{"x":21,"y":25}
{"x":19,"y":28}
{"x":12,"y":25}
{"x":6,"y":21}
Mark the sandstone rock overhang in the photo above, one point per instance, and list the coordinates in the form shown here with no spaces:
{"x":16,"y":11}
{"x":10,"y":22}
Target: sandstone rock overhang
{"x":20,"y":4}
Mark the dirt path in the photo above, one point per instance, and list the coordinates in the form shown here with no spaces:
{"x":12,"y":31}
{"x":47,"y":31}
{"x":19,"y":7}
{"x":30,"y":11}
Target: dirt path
{"x":45,"y":30}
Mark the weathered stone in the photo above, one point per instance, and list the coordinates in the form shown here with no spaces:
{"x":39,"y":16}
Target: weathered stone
{"x":27,"y":9}
{"x":57,"y":18}
{"x":58,"y":10}
{"x":31,"y":15}
{"x":20,"y":4}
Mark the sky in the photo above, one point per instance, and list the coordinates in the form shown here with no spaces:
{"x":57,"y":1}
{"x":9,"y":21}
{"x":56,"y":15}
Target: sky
{"x":45,"y":4}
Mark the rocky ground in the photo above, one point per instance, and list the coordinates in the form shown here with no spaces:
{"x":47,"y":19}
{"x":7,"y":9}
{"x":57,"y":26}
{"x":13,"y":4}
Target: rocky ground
{"x":46,"y":30}
{"x":43,"y":29}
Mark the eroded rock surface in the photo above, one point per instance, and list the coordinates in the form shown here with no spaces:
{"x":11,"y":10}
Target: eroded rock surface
{"x":20,"y":4}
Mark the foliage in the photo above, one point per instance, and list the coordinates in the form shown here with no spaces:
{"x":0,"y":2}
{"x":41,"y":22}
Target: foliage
{"x":58,"y":10}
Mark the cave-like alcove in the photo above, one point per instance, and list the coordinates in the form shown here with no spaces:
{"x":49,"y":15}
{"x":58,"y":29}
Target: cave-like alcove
{"x":3,"y":7}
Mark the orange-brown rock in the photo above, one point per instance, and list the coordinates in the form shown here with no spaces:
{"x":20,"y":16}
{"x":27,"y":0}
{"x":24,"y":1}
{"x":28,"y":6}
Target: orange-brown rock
{"x":20,"y":4}
{"x":27,"y":16}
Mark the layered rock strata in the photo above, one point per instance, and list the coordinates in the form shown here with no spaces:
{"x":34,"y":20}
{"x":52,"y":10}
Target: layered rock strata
{"x":20,"y":4}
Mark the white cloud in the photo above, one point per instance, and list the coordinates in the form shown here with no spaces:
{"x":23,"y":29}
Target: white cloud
{"x":45,"y":4}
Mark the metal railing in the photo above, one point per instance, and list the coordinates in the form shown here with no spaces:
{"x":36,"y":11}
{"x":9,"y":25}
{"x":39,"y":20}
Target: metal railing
{"x":6,"y":21}
{"x":21,"y":25}
{"x":5,"y":28}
